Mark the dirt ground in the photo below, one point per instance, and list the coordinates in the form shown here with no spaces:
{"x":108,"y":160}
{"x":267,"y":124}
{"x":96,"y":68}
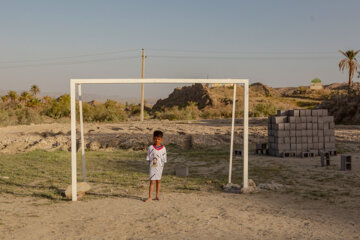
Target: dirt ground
{"x":178,"y":216}
{"x":296,"y":198}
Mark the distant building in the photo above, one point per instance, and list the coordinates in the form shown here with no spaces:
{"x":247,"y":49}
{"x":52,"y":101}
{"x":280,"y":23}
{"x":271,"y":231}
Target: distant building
{"x":316,"y":84}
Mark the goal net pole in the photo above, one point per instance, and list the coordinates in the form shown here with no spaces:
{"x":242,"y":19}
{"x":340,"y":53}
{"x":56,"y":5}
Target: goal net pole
{"x":78,"y":82}
{"x":82,"y":133}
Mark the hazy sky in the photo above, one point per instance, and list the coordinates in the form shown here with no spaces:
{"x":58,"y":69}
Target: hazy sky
{"x":279,"y":43}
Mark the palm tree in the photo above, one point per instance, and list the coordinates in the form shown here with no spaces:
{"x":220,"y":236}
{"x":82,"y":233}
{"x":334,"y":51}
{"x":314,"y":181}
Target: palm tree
{"x":349,"y":62}
{"x":4,"y":98}
{"x":12,"y":95}
{"x":24,"y":96}
{"x":34,"y":90}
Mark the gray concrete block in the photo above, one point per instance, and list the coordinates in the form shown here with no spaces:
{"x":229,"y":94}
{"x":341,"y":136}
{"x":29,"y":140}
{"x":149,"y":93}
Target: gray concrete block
{"x":298,"y":147}
{"x":298,"y":133}
{"x":292,"y":126}
{"x":327,"y":132}
{"x":271,"y":139}
{"x":307,"y":112}
{"x":331,"y":125}
{"x":315,"y":139}
{"x":326,"y":126}
{"x":321,"y":139}
{"x":286,"y":126}
{"x":298,"y":120}
{"x":281,"y":126}
{"x":303,"y":133}
{"x":309,"y":140}
{"x":332,"y":139}
{"x":281,"y":133}
{"x":326,"y":139}
{"x":315,"y":145}
{"x":284,"y":147}
{"x":300,"y":126}
{"x":293,"y":140}
{"x":295,"y":113}
{"x":320,"y":120}
{"x":332,"y":132}
{"x":291,"y":119}
{"x":309,"y":119}
{"x":303,"y":119}
{"x":305,"y":147}
{"x":293,"y":146}
{"x":309,"y":133}
{"x":329,"y":119}
{"x":292,"y":133}
{"x":298,"y":140}
{"x":314,"y":119}
{"x":303,"y":140}
{"x":182,"y":171}
{"x":302,"y":112}
{"x":309,"y":126}
{"x":325,"y":112}
{"x":279,"y":140}
{"x":282,"y":112}
{"x":315,"y":126}
{"x":286,"y":139}
{"x":279,"y":119}
{"x":320,"y":126}
{"x":320,"y":133}
{"x":314,"y":112}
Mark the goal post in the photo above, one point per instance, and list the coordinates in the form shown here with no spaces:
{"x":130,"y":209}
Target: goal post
{"x":79,"y":82}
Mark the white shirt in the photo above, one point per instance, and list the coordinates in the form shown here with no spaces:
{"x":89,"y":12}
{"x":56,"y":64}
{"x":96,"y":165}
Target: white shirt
{"x":158,"y":153}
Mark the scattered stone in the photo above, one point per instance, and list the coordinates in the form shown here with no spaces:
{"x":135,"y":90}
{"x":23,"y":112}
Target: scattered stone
{"x":94,"y":146}
{"x":5,"y":177}
{"x":271,"y":186}
{"x":82,"y":188}
{"x":251,"y":188}
{"x":232,"y":188}
{"x":182,"y":171}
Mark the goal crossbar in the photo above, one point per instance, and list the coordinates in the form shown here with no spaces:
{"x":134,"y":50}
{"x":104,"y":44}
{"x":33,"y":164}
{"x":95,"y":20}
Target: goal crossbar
{"x":78,"y":82}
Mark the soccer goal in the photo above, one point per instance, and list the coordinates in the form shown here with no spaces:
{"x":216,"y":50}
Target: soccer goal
{"x":79,"y":82}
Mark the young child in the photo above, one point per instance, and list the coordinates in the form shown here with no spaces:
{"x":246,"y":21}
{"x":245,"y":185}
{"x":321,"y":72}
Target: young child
{"x":157,"y":158}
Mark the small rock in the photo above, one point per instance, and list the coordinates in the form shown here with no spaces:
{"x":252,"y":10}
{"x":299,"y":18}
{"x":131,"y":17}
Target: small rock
{"x":232,"y":188}
{"x":82,"y":188}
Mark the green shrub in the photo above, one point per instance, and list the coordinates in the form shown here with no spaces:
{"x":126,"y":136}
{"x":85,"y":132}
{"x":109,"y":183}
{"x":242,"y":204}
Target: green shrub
{"x":190,"y":112}
{"x":316,"y":80}
{"x":27,"y":116}
{"x":4,"y":117}
{"x":59,"y":108}
{"x":263,"y":110}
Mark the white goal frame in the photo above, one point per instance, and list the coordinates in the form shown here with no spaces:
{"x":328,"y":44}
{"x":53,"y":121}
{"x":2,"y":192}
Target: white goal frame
{"x":79,"y":82}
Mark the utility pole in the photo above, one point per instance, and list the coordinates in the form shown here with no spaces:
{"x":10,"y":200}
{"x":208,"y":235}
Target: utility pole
{"x":142,"y":86}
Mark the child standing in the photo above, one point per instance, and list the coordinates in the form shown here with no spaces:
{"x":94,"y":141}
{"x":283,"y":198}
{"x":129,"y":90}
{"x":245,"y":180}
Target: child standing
{"x":157,"y":158}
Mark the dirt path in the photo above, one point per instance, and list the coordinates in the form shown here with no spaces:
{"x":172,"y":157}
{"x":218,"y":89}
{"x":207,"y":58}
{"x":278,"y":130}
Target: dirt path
{"x":178,"y":216}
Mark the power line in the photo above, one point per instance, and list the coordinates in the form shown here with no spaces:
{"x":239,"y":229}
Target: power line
{"x":247,"y":52}
{"x":243,"y":57}
{"x":70,"y":62}
{"x":70,"y":57}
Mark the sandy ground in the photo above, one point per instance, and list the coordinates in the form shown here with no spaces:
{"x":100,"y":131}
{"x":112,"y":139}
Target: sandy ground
{"x":137,"y":135}
{"x":178,"y":216}
{"x":315,"y":203}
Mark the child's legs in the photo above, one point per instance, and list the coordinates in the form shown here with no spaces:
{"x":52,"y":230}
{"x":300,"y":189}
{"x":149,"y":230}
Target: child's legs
{"x":157,"y":188}
{"x":151,"y":188}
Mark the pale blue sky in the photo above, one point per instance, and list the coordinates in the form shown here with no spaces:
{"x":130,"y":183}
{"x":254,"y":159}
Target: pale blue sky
{"x":279,"y":43}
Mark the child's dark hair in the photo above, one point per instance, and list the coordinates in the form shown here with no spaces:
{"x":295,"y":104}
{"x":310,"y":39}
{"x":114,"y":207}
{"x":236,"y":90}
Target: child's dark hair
{"x":158,"y":133}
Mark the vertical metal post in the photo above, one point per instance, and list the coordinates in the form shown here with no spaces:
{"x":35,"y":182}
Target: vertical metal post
{"x":73,"y":141}
{"x":232,"y":133}
{"x":82,"y":133}
{"x":246,"y":134}
{"x":142,"y":85}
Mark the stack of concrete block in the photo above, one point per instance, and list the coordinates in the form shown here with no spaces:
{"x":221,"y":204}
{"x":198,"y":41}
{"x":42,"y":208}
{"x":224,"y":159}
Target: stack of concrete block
{"x":301,"y":133}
